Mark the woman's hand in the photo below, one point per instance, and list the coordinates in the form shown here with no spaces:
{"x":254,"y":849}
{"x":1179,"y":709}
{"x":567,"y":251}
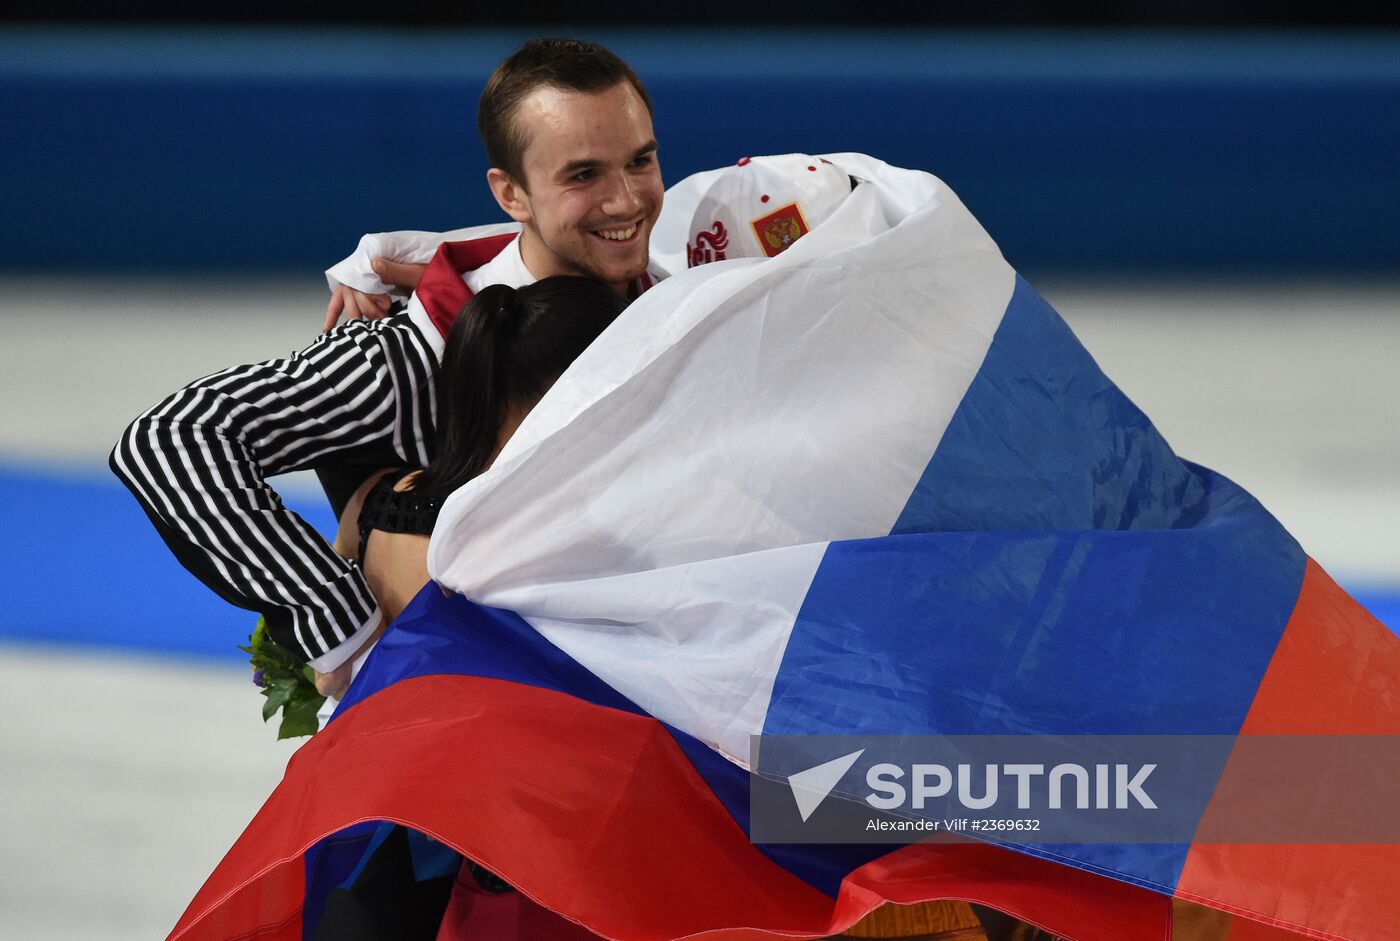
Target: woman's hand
{"x":336,"y":683}
{"x":356,"y":305}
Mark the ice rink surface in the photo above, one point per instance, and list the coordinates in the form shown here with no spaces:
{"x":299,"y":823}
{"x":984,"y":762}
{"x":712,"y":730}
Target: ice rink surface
{"x":124,"y":776}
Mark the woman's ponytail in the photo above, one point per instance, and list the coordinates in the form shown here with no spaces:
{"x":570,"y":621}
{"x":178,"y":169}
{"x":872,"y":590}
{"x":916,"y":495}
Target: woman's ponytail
{"x":506,"y":349}
{"x":473,"y":389}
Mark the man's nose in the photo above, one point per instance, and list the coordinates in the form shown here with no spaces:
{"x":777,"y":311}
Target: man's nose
{"x":621,"y":200}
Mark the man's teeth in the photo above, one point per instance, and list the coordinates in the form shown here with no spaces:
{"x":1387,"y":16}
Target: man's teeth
{"x":618,"y":235}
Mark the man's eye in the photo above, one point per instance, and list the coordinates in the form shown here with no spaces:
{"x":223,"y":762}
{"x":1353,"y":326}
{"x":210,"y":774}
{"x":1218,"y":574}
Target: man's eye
{"x":583,"y":176}
{"x":643,"y":161}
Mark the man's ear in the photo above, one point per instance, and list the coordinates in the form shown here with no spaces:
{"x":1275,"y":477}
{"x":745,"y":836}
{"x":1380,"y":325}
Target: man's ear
{"x":510,"y":195}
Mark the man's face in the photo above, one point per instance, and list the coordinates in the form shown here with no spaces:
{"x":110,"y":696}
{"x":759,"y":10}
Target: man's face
{"x":592,"y":187}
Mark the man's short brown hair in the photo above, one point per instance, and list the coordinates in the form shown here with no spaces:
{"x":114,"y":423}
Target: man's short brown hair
{"x":571,"y":64}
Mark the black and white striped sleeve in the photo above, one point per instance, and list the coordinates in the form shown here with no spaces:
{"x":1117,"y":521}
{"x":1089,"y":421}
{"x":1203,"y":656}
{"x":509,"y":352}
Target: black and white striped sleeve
{"x":198,"y":464}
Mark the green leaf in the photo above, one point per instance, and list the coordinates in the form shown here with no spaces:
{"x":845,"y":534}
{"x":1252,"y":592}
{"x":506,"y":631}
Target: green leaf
{"x":299,"y":718}
{"x":279,"y":693}
{"x":289,"y":684}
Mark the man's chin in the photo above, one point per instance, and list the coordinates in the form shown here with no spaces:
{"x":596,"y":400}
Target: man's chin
{"x":617,"y":273}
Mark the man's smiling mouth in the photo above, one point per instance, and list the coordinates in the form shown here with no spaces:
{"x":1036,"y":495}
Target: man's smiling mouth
{"x":617,"y":235}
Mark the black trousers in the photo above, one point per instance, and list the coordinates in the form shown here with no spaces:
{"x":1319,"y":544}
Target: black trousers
{"x":386,"y":902}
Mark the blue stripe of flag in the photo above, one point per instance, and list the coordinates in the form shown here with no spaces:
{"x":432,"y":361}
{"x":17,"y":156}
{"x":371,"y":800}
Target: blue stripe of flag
{"x":1103,"y":571}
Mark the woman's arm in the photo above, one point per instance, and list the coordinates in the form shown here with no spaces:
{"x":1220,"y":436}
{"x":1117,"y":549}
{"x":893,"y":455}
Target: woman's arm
{"x":199,"y":462}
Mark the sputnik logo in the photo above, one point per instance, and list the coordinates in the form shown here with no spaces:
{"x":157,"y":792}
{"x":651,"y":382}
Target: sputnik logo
{"x":810,"y":787}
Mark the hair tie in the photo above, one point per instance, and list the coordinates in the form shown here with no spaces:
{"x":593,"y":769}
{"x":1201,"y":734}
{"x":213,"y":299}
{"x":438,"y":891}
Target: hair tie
{"x":501,"y":309}
{"x":508,"y":312}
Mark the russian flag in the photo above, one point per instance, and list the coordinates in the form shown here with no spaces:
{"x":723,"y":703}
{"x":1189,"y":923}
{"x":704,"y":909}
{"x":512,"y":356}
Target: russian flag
{"x":873,"y":486}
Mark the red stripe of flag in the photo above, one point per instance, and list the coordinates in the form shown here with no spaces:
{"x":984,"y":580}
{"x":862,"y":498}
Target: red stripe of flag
{"x":1336,"y":671}
{"x":597,"y":814}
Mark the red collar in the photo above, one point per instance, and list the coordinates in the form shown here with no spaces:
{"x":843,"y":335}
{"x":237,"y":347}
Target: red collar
{"x":444,"y":294}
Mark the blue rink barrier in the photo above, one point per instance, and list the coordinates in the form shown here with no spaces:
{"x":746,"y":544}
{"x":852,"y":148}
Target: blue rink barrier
{"x":182,"y":150}
{"x":86,"y":569}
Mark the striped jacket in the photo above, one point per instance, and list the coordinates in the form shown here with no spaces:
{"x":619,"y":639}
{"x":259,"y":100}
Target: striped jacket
{"x":198,"y":462}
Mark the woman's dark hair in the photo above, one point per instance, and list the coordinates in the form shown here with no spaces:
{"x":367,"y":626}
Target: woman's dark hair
{"x":506,"y":348}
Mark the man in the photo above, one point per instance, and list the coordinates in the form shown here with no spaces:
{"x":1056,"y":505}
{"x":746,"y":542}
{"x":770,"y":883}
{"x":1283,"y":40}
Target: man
{"x":754,"y":209}
{"x":568,"y":133}
{"x":575,"y":222}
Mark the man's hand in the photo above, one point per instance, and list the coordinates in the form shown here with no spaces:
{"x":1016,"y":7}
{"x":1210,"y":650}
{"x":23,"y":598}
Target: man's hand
{"x":399,"y":274}
{"x":357,"y":305}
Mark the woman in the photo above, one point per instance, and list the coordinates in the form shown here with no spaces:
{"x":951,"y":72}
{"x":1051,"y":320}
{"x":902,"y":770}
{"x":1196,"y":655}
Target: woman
{"x":503,"y":353}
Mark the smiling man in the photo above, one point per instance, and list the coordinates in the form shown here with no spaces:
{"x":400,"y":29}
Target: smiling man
{"x":567,"y":127}
{"x":578,"y":169}
{"x":567,"y":130}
